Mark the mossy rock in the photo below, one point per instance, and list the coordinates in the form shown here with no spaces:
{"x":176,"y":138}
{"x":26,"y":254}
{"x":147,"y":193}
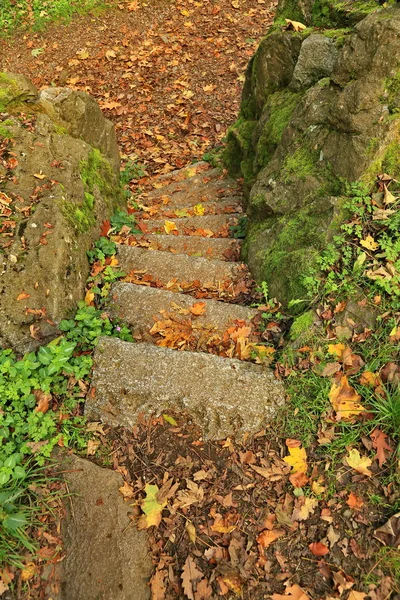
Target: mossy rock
{"x":325,"y":13}
{"x":15,"y":91}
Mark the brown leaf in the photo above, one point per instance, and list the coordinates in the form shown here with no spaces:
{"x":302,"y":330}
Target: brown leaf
{"x":203,"y":590}
{"x":318,"y":549}
{"x":379,"y":442}
{"x":190,"y":575}
{"x":294,"y":592}
{"x":267,"y":537}
{"x":157,"y":584}
{"x":345,"y":400}
{"x":389,"y":533}
{"x":43,"y":401}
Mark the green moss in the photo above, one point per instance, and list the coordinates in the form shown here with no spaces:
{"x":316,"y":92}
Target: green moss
{"x":339,"y":35}
{"x":238,"y":155}
{"x":392,"y":93}
{"x":387,"y":161}
{"x":4,"y":128}
{"x":60,"y":130}
{"x":288,"y":10}
{"x":96,"y":175}
{"x":302,"y":325}
{"x":331,"y":13}
{"x":299,"y":165}
{"x":7,"y":84}
{"x":280,"y":107}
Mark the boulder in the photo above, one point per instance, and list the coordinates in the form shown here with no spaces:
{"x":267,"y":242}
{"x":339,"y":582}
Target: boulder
{"x":325,"y":13}
{"x":59,"y":179}
{"x":337,"y":121}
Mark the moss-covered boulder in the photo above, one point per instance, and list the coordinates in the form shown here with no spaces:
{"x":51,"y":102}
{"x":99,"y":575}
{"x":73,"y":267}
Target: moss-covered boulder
{"x":325,"y":13}
{"x":59,"y":179}
{"x":308,"y":127}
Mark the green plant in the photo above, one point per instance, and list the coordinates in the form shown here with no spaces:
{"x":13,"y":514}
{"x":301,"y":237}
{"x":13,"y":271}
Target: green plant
{"x":122,"y":219}
{"x":103,"y":247}
{"x":132,"y":170}
{"x":239,"y":231}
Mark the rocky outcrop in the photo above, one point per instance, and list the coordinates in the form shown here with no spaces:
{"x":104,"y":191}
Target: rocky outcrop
{"x":319,"y":110}
{"x":59,"y":179}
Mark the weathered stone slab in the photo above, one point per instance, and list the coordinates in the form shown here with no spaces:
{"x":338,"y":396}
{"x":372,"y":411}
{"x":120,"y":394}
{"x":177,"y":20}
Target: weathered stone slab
{"x":166,"y":266}
{"x":214,"y":223}
{"x":106,"y":557}
{"x":225,"y":396}
{"x":230,"y":204}
{"x":195,"y":190}
{"x":209,"y":248}
{"x":137,"y":305}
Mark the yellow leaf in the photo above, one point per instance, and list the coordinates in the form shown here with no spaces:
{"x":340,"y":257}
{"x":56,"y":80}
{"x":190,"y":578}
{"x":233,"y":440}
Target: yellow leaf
{"x":317,"y":488}
{"x":110,"y":54}
{"x":83,"y":54}
{"x":297,"y":459}
{"x":345,"y":400}
{"x":359,"y":463}
{"x":295,"y":25}
{"x":354,"y":595}
{"x":235,"y":3}
{"x":170,"y":420}
{"x":151,"y":508}
{"x":336,"y":350}
{"x":28,"y":571}
{"x":199,"y":210}
{"x":388,"y":198}
{"x":170,"y":226}
{"x":191,"y":531}
{"x":89,"y":298}
{"x":369,"y":243}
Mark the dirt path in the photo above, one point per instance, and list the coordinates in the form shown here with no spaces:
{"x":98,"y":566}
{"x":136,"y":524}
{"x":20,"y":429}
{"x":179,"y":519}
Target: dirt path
{"x":168,"y":73}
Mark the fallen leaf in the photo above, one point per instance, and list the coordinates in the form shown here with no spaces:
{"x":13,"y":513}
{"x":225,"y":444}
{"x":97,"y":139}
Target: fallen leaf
{"x":297,"y":459}
{"x":379,"y":442}
{"x":388,"y":197}
{"x":158,"y":588}
{"x":267,"y":537}
{"x":170,"y":420}
{"x":369,"y":243}
{"x":318,"y":549}
{"x":198,"y":308}
{"x":23,"y":296}
{"x":359,"y":463}
{"x":354,"y":501}
{"x":294,"y":592}
{"x":356,"y":595}
{"x":199,"y":210}
{"x":190,"y":575}
{"x":191,"y":531}
{"x":295,"y":25}
{"x":43,"y":401}
{"x":389,"y":533}
{"x":89,"y":298}
{"x":304,"y":508}
{"x":345,"y":400}
{"x":92,"y":447}
{"x":151,"y":508}
{"x":170,"y":226}
{"x":28,"y":571}
{"x":127,"y":490}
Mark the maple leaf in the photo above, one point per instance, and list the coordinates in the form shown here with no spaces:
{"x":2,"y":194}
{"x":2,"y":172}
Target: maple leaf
{"x":190,"y":575}
{"x":345,"y":400}
{"x":354,"y":501}
{"x":199,"y":210}
{"x":170,"y":226}
{"x":369,"y":243}
{"x":151,"y":507}
{"x":294,"y":592}
{"x":304,"y":508}
{"x":358,"y":463}
{"x":297,"y":459}
{"x":379,"y":442}
{"x":198,"y":308}
{"x":267,"y":537}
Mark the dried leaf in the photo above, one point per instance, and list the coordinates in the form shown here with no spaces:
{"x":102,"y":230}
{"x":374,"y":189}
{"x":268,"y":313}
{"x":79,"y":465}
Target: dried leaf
{"x":198,"y":308}
{"x":358,"y":463}
{"x":345,"y":400}
{"x":295,"y":25}
{"x":158,"y":588}
{"x":293,"y":592}
{"x":369,"y":243}
{"x":297,"y":459}
{"x":190,"y":575}
{"x":304,"y":508}
{"x":318,"y":549}
{"x":267,"y":537}
{"x":354,"y":595}
{"x":43,"y":401}
{"x":389,"y":533}
{"x":354,"y":501}
{"x":379,"y":442}
{"x":170,"y":226}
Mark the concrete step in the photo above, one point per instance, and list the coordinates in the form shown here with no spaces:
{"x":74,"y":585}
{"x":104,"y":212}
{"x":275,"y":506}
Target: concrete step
{"x":192,"y":191}
{"x":220,"y":248}
{"x":141,"y":306}
{"x":224,"y":396}
{"x":213,"y":225}
{"x":229,"y":205}
{"x":164,"y":267}
{"x":98,"y":536}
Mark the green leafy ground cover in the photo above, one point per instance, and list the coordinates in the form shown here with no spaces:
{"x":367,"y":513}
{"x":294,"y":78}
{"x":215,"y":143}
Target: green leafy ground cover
{"x":35,"y":14}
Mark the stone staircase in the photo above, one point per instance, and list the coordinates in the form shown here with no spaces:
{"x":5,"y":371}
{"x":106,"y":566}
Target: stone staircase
{"x":196,"y":261}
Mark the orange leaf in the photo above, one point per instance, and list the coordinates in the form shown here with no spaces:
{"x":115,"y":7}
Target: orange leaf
{"x":318,"y":549}
{"x":198,"y":308}
{"x":266,"y":537}
{"x":23,"y":296}
{"x":43,"y":401}
{"x":354,"y":501}
{"x":345,"y":400}
{"x":294,"y":592}
{"x":170,"y":226}
{"x":369,"y":378}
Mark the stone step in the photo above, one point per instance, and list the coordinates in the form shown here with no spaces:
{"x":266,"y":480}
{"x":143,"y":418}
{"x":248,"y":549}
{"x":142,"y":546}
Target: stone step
{"x":220,"y":248}
{"x":200,"y":168}
{"x":192,"y":192}
{"x":216,"y":225}
{"x":224,"y":396}
{"x":164,"y":266}
{"x":98,"y":536}
{"x":229,"y":205}
{"x":138,"y":305}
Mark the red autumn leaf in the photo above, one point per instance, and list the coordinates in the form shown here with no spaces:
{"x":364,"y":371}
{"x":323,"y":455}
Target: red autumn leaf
{"x":105,"y":228}
{"x":318,"y":549}
{"x":379,"y":442}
